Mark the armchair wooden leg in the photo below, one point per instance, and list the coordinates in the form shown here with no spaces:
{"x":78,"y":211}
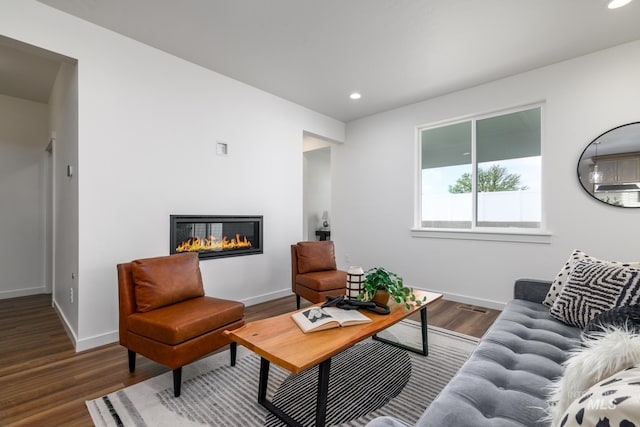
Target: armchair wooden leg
{"x":233,"y":349}
{"x":132,"y":361}
{"x":177,"y":381}
{"x":297,"y":302}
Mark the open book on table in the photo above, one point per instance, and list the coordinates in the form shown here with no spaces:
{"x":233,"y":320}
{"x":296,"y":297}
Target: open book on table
{"x":318,"y":318}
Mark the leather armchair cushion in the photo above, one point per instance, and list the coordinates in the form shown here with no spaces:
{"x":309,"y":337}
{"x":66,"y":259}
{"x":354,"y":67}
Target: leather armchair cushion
{"x":166,"y":280}
{"x":178,"y":323}
{"x":315,"y":256}
{"x":323,"y":280}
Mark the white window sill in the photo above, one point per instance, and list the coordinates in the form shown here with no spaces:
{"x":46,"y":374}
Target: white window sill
{"x":492,"y":235}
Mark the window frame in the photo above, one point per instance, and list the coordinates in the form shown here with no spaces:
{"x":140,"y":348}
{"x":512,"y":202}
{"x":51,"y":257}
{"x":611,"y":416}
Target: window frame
{"x":508,"y":234}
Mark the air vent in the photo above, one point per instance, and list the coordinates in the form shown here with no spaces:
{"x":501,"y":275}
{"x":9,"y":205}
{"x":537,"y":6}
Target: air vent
{"x":472,"y":308}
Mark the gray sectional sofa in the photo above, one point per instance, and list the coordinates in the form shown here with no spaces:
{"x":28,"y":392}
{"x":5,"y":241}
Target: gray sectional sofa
{"x":504,"y":382}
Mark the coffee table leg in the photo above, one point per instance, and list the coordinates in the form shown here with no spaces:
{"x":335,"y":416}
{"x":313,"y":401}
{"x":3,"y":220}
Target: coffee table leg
{"x":323,"y":392}
{"x":423,"y":331}
{"x":264,"y":380}
{"x":262,"y":396}
{"x":423,"y":327}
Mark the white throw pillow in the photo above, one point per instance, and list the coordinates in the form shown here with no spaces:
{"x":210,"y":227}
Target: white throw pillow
{"x":561,"y":278}
{"x":601,"y":355}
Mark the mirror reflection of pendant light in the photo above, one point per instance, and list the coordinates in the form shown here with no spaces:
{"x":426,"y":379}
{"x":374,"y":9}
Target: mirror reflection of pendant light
{"x":595,"y":176}
{"x":614,"y":4}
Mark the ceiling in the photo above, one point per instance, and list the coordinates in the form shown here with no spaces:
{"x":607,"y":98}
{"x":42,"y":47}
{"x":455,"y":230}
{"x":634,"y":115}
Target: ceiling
{"x":26,"y":71}
{"x":394,"y":52}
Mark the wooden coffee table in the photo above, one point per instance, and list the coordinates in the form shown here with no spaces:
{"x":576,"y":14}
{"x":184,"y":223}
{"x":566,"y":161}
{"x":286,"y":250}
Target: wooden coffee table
{"x":279,"y":340}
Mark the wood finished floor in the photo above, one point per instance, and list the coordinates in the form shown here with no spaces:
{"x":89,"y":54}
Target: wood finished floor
{"x":44,"y":382}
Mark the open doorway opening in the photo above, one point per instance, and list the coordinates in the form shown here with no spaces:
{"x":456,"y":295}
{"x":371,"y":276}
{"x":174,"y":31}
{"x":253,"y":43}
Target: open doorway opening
{"x":34,"y":104}
{"x":316,"y":209}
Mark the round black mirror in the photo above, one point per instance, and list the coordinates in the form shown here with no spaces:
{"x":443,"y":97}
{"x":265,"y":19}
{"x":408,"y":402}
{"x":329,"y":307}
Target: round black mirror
{"x":609,"y":168}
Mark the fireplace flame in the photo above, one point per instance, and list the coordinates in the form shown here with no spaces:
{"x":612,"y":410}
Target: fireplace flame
{"x":213,"y":244}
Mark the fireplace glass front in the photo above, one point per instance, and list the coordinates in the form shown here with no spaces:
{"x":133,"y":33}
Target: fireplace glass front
{"x":216,"y":236}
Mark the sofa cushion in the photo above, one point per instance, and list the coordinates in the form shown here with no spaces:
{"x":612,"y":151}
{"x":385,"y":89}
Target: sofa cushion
{"x":316,"y":256}
{"x":504,"y":381}
{"x":561,"y":278}
{"x":592,"y":288}
{"x":178,"y":323}
{"x":166,"y":280}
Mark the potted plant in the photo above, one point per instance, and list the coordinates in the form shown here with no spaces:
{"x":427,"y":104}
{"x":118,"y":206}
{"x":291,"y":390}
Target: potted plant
{"x":378,"y":281}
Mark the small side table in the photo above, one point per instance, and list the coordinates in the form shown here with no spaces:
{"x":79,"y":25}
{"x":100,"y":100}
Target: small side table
{"x":324,"y":234}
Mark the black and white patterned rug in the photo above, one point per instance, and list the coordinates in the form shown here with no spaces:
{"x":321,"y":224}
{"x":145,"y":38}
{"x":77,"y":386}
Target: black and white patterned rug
{"x":368,"y":380}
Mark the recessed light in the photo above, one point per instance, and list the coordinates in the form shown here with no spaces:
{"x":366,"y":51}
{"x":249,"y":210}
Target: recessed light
{"x":614,"y":4}
{"x":355,"y":95}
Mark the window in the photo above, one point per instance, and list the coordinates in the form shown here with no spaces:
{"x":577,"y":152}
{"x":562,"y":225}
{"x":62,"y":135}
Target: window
{"x":482,"y":173}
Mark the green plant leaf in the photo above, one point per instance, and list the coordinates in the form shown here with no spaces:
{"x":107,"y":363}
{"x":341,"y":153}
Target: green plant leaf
{"x":378,"y":278}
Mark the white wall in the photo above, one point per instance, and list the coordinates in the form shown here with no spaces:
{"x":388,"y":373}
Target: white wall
{"x":375,"y":178}
{"x":23,"y":138}
{"x":147,"y":127}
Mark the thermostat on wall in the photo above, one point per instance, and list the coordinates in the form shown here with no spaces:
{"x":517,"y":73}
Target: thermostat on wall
{"x":221,"y":148}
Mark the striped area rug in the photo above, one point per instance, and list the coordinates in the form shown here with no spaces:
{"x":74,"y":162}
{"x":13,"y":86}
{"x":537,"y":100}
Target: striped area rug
{"x":368,"y":380}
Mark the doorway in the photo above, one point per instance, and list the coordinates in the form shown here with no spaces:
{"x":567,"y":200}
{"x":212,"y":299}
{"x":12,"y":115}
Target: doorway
{"x":38,"y":98}
{"x":316,"y":206}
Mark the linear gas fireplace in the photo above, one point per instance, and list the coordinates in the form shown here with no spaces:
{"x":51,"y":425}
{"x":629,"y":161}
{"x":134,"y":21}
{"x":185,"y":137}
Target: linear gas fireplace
{"x":216,"y":236}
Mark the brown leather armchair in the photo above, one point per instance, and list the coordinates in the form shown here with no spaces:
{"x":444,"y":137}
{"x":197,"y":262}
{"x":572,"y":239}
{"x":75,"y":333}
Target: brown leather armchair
{"x":165,"y":316}
{"x":314,"y":273}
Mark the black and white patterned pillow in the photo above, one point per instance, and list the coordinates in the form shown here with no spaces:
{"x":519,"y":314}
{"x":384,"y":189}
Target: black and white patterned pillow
{"x":592,"y":288}
{"x":615,"y":401}
{"x":562,"y":276}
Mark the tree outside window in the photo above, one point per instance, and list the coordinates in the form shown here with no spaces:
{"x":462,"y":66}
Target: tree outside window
{"x":496,"y":178}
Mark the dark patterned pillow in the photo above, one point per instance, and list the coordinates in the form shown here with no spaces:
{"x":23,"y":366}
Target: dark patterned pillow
{"x":614,"y":401}
{"x":562,"y":276}
{"x":626,"y":316}
{"x":592,"y":288}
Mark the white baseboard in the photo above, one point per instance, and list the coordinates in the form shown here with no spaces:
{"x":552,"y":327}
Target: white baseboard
{"x":85,"y":343}
{"x":15,"y":293}
{"x":267,"y":297}
{"x":65,"y":323}
{"x":97,"y":341}
{"x":496,"y":305}
{"x":113,"y":337}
